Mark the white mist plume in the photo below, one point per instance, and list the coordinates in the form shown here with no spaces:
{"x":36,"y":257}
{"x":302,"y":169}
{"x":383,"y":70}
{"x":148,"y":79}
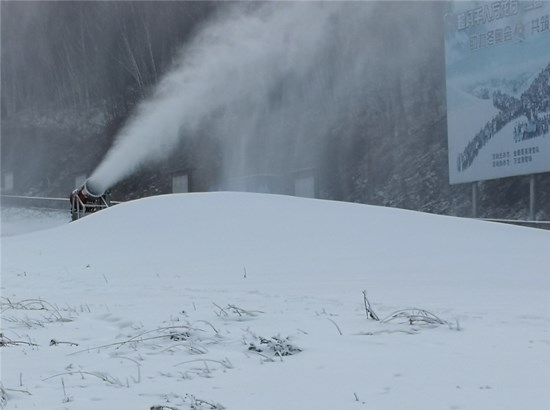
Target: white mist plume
{"x":270,"y":71}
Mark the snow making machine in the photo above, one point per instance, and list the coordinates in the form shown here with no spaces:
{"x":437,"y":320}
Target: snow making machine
{"x":88,"y":199}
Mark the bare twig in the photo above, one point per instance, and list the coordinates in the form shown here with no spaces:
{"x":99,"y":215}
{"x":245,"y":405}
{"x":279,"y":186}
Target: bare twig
{"x":368,"y":308}
{"x":336,"y":325}
{"x":209,"y":324}
{"x":196,"y":403}
{"x":266,"y":357}
{"x":222,"y":311}
{"x":412,"y":331}
{"x":19,"y":391}
{"x":137,"y":338}
{"x":26,"y":321}
{"x":225,"y":363}
{"x":81,"y":373}
{"x":241,"y":311}
{"x":6,"y":341}
{"x":190,"y":347}
{"x":138,"y":365}
{"x":66,"y":398}
{"x":54,"y":342}
{"x":413,"y":316}
{"x":154,"y":330}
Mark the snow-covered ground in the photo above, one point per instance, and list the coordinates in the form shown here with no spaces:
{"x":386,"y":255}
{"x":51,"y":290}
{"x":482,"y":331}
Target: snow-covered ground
{"x":183,"y":301}
{"x":17,"y":221}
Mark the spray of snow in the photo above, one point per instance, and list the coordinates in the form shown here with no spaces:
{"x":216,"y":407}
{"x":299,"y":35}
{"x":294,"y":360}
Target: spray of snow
{"x":268,"y":71}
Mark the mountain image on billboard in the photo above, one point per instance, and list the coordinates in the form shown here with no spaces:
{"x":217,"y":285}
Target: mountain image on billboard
{"x":498,"y":88}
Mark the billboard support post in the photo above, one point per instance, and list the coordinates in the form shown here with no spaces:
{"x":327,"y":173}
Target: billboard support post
{"x":474,"y":199}
{"x":532,"y":197}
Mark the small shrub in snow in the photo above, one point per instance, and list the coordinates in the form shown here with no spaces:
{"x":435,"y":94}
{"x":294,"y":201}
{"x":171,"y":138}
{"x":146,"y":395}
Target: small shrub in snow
{"x":35,"y":304}
{"x":235,"y":312}
{"x":192,"y":403}
{"x":200,"y":404}
{"x":177,"y":336}
{"x":276,"y":346}
{"x":414,"y":316}
{"x":411,"y":316}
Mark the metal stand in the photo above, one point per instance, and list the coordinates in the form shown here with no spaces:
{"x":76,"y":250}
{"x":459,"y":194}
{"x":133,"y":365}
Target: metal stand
{"x":474,"y":199}
{"x":80,"y":208}
{"x":532,"y":197}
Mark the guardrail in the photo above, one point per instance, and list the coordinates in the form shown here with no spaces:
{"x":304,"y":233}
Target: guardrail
{"x":519,"y":222}
{"x":38,"y":202}
{"x":35,"y":202}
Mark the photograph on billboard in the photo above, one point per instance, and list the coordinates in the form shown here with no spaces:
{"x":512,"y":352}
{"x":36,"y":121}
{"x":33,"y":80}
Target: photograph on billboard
{"x":497,"y":56}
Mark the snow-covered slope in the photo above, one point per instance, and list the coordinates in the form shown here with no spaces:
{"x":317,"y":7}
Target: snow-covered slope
{"x":226,"y":271}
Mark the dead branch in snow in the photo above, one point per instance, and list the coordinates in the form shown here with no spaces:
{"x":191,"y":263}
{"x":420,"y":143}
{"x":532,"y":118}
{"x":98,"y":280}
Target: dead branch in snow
{"x":34,"y":304}
{"x":139,"y":338}
{"x":225,"y":362}
{"x":368,"y":308}
{"x":100,"y":376}
{"x":336,"y":325}
{"x":6,"y":341}
{"x":413,"y":316}
{"x":236,"y":310}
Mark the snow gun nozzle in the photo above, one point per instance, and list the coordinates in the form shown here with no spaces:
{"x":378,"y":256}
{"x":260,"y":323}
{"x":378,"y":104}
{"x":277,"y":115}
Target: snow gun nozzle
{"x":92,"y":190}
{"x":89,"y":198}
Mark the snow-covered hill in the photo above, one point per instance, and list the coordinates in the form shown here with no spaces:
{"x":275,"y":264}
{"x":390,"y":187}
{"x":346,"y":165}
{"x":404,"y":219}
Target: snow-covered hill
{"x":187,"y":301}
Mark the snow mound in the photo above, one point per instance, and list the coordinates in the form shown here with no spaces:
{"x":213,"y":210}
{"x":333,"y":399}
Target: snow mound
{"x":272,"y":235}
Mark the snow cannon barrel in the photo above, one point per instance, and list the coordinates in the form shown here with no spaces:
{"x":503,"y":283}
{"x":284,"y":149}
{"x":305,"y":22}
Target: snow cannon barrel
{"x":89,"y":198}
{"x":90,"y":189}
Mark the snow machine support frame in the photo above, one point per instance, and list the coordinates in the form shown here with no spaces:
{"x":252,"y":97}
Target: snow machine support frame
{"x":84,"y":202}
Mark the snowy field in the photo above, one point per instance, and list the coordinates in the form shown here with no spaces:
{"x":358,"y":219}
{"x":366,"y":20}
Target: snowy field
{"x":249,"y":301}
{"x":16,"y":221}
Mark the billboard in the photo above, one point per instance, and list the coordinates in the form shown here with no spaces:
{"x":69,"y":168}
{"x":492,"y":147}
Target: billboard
{"x":497,"y":56}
